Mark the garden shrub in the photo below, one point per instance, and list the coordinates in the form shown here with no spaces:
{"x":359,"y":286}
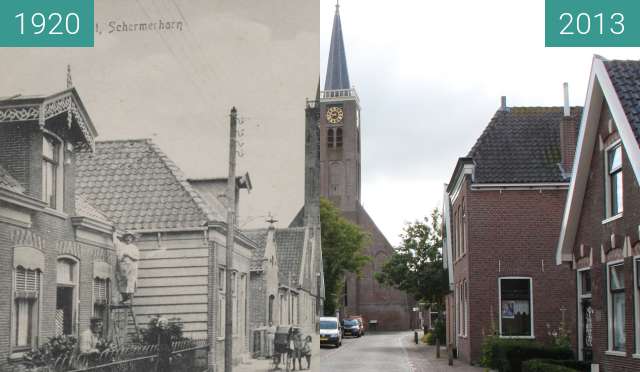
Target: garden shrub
{"x":430,"y":338}
{"x":58,"y":347}
{"x":551,"y":365}
{"x":507,"y":355}
{"x":150,"y":334}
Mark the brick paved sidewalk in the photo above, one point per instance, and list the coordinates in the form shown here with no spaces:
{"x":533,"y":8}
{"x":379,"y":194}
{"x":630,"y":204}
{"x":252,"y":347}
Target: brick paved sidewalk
{"x":422,"y":358}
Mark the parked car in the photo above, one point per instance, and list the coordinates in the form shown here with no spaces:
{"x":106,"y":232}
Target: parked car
{"x":351,"y":327}
{"x":363,"y":324}
{"x":330,"y":331}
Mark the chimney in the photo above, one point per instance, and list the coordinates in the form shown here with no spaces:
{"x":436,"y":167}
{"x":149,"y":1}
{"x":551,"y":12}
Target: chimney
{"x":567,"y":108}
{"x":503,"y":103}
{"x":568,"y":136}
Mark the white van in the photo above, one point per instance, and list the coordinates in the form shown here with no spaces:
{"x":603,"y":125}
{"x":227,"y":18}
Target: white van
{"x":330,"y":332}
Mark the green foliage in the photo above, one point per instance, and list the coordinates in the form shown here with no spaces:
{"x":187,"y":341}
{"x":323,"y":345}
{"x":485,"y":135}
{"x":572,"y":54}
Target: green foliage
{"x":150,"y":334}
{"x":507,"y":355}
{"x":440,"y":330}
{"x":560,"y":337}
{"x":430,"y":338}
{"x":550,"y":365}
{"x":342,"y":252}
{"x":416,"y":266}
{"x":55,"y":348}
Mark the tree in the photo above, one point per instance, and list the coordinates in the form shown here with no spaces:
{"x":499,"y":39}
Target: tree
{"x":342,"y":251}
{"x":416,"y":266}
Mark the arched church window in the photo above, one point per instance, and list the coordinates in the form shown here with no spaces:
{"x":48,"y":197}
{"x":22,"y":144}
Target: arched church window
{"x":330,"y":138}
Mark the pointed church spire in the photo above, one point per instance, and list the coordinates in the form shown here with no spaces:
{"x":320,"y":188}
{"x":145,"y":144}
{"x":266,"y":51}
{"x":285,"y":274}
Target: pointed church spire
{"x":69,"y":80}
{"x":337,"y":74}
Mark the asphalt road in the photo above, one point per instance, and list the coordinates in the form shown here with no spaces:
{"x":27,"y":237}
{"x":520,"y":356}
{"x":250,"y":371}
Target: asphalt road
{"x":372,"y":352}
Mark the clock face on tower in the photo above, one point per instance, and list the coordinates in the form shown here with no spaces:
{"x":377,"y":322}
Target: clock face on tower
{"x":335,"y":114}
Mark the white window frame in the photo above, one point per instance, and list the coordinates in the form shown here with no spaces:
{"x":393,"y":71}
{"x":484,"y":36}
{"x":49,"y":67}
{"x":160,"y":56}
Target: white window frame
{"x":607,"y":183}
{"x":37,"y":312}
{"x":75,"y":283}
{"x":59,"y":146}
{"x":532,"y":336}
{"x":580,"y":297}
{"x":610,"y":350}
{"x":636,"y":297}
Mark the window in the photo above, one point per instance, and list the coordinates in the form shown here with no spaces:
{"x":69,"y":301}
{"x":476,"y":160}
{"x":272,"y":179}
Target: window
{"x":585,"y":316}
{"x":339,"y":137}
{"x":101,"y":298}
{"x":516,"y":315}
{"x":271,"y":300}
{"x":67,"y":275}
{"x":50,"y":162}
{"x":614,"y":180}
{"x":234,"y":302}
{"x":330,"y":138}
{"x":221,"y":303}
{"x":221,"y":279}
{"x":617,"y":340}
{"x":26,"y":302}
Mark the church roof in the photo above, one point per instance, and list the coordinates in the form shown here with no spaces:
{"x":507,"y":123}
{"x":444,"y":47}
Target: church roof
{"x":290,"y":245}
{"x":138,"y":187}
{"x":521,"y":145}
{"x":337,"y":74}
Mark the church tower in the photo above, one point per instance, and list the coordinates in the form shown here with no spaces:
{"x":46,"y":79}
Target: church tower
{"x":340,"y":153}
{"x":339,"y":129}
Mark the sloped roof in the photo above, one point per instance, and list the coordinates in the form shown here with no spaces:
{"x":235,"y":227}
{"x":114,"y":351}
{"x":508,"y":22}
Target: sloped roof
{"x":138,"y":187}
{"x":337,"y":73}
{"x":521,"y":145}
{"x":258,"y":236}
{"x":625,"y":76}
{"x":8,"y":182}
{"x":84,"y":208}
{"x":290,"y":247}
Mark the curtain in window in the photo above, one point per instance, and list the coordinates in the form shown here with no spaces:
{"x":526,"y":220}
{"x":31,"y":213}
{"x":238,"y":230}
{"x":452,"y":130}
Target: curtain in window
{"x":619,"y":339}
{"x":27,"y":287}
{"x":515,"y":305}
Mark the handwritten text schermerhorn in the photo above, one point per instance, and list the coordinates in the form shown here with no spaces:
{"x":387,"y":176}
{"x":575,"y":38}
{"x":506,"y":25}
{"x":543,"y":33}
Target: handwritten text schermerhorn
{"x":111,"y":27}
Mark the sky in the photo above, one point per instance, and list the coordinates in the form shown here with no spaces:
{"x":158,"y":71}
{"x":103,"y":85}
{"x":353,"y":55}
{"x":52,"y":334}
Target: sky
{"x":177,"y":87}
{"x":430,"y":75}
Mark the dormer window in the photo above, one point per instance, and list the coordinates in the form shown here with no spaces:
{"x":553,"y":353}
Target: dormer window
{"x":50,"y":167}
{"x":614,"y":180}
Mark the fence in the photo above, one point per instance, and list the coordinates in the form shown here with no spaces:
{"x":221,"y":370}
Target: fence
{"x":132,"y":358}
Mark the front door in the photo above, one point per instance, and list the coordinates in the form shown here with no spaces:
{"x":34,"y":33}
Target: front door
{"x":587,"y":328}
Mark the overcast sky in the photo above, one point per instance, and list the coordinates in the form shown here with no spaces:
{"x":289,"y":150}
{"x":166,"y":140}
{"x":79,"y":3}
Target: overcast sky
{"x":430,"y":75}
{"x":177,"y":87}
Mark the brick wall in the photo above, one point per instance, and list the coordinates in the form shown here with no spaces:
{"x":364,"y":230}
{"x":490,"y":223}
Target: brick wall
{"x":15,"y":153}
{"x":592,"y":234}
{"x":513,"y":233}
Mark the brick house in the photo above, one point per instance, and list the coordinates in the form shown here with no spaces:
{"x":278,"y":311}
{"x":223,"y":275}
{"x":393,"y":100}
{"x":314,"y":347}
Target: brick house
{"x":181,"y":240}
{"x":55,"y":248}
{"x":599,"y":238}
{"x":502,"y":212}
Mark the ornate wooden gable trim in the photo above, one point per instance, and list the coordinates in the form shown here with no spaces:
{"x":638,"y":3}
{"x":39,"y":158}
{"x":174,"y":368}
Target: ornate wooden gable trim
{"x":44,"y":108}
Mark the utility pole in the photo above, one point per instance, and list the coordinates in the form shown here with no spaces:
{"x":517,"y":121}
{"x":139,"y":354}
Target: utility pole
{"x":231,"y":222}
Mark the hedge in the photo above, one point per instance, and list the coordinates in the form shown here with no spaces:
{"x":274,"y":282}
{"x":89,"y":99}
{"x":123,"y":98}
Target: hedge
{"x":507,"y":355}
{"x":550,"y":365}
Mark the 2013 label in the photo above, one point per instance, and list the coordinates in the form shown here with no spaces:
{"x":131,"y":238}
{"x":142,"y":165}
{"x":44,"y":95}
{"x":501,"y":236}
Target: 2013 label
{"x":583,"y":22}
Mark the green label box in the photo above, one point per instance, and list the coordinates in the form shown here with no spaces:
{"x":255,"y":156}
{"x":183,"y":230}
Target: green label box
{"x":46,"y":23}
{"x":592,"y":23}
